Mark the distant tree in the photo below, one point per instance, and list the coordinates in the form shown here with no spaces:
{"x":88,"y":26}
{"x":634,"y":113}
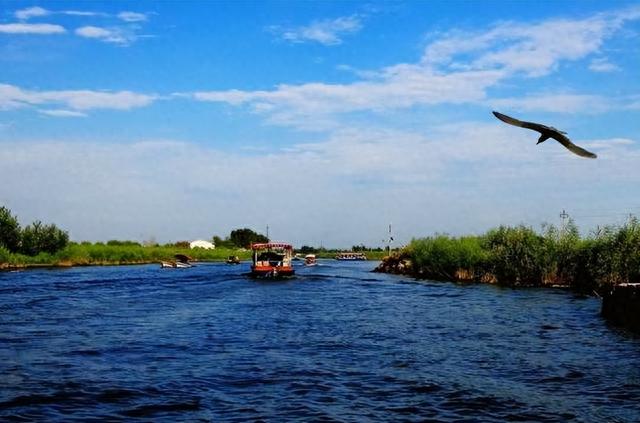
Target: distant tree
{"x":305,"y":249}
{"x":9,"y":230}
{"x":244,"y":237}
{"x":222,"y":243}
{"x":182,"y":244}
{"x":38,"y":238}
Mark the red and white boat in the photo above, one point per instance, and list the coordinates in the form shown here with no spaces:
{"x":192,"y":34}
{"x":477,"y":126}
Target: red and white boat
{"x":272,"y":260}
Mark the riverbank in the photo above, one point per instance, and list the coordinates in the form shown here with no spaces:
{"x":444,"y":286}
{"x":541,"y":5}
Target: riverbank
{"x":98,"y":254}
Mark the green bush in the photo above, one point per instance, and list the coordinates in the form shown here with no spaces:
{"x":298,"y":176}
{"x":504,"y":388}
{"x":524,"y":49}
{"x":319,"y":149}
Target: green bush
{"x":519,"y":256}
{"x":441,"y":256}
{"x":38,"y":238}
{"x":5,"y":255}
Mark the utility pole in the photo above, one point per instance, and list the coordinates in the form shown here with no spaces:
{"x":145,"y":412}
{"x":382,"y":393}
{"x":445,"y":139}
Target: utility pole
{"x":389,"y":241}
{"x":268,"y":233}
{"x":564,"y":215}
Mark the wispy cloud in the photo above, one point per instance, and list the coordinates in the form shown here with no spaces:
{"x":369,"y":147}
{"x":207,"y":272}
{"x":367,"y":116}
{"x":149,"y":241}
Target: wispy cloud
{"x":62,"y":113}
{"x":397,"y":87}
{"x":531,"y":49}
{"x":117,"y":35}
{"x":83,"y":13}
{"x":327,"y":32}
{"x":121,"y":33}
{"x":27,"y":28}
{"x":31,"y":12}
{"x":601,"y":64}
{"x":132,"y":16}
{"x":12,"y":97}
{"x":37,"y":11}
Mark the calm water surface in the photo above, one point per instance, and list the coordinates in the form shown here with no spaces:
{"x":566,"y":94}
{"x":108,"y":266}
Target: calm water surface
{"x":336,"y":343}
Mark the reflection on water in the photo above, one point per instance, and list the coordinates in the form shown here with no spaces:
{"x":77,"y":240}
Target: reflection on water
{"x":336,"y":343}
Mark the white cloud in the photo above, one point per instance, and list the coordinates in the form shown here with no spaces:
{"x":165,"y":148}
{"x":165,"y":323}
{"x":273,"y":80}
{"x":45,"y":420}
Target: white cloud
{"x":109,"y":35}
{"x":93,"y":32}
{"x":327,"y":32}
{"x":26,"y":28}
{"x":132,"y":16}
{"x":532,"y":49}
{"x":396,"y":87}
{"x":82,"y":13}
{"x":62,"y":113}
{"x":12,"y":97}
{"x":31,"y":12}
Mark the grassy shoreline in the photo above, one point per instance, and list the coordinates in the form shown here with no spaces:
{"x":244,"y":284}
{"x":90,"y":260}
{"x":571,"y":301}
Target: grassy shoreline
{"x":87,"y":254}
{"x":520,"y":256}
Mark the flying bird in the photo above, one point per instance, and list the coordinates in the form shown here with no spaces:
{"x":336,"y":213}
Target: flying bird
{"x":547,"y":132}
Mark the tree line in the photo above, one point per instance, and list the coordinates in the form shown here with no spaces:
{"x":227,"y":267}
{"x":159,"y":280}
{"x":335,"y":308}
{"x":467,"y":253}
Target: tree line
{"x":31,"y":240}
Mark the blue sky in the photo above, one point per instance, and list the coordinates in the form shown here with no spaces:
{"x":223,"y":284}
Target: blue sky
{"x":324,"y":120}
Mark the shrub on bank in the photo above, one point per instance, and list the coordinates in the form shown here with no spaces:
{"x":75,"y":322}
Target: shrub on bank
{"x":516,"y":255}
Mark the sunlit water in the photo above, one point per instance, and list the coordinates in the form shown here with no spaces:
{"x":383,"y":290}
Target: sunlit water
{"x":336,"y":343}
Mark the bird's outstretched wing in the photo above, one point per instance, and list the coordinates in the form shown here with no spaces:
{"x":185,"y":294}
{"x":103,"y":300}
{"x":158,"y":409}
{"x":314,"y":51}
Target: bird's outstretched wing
{"x":547,"y":131}
{"x":520,"y":123}
{"x":572,"y":147}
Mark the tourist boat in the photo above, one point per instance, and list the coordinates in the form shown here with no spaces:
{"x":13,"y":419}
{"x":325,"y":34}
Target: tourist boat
{"x":272,"y":260}
{"x":310,"y":260}
{"x":233,"y":260}
{"x":181,"y":261}
{"x":348,"y":255}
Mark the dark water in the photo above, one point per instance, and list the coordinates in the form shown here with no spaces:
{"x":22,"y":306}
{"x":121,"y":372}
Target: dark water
{"x":337,"y":343}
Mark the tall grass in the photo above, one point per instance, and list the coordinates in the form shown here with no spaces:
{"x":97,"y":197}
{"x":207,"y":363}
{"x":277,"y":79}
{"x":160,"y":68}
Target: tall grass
{"x":520,"y":256}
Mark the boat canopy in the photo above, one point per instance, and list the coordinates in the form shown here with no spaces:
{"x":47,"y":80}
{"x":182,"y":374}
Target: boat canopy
{"x":266,"y":245}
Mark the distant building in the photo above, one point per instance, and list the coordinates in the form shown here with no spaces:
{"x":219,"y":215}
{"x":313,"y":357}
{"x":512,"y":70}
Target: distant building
{"x":200,"y":243}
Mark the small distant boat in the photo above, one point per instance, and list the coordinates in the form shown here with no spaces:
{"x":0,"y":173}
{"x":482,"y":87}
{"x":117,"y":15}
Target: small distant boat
{"x":272,"y":260}
{"x":182,"y":261}
{"x":297,"y":257}
{"x":233,"y":260}
{"x":310,"y":260}
{"x":348,"y":255}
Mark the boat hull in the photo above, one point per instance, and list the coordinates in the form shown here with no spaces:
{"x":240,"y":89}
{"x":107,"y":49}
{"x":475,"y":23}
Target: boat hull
{"x":175,"y":265}
{"x":271,"y":272}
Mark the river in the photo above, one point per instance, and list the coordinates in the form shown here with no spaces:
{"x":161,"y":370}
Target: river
{"x":337,"y":343}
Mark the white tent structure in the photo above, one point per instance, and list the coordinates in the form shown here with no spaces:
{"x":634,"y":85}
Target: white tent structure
{"x":200,"y":243}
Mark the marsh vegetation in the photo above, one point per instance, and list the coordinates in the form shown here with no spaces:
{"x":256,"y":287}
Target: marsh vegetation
{"x":521,"y":256}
